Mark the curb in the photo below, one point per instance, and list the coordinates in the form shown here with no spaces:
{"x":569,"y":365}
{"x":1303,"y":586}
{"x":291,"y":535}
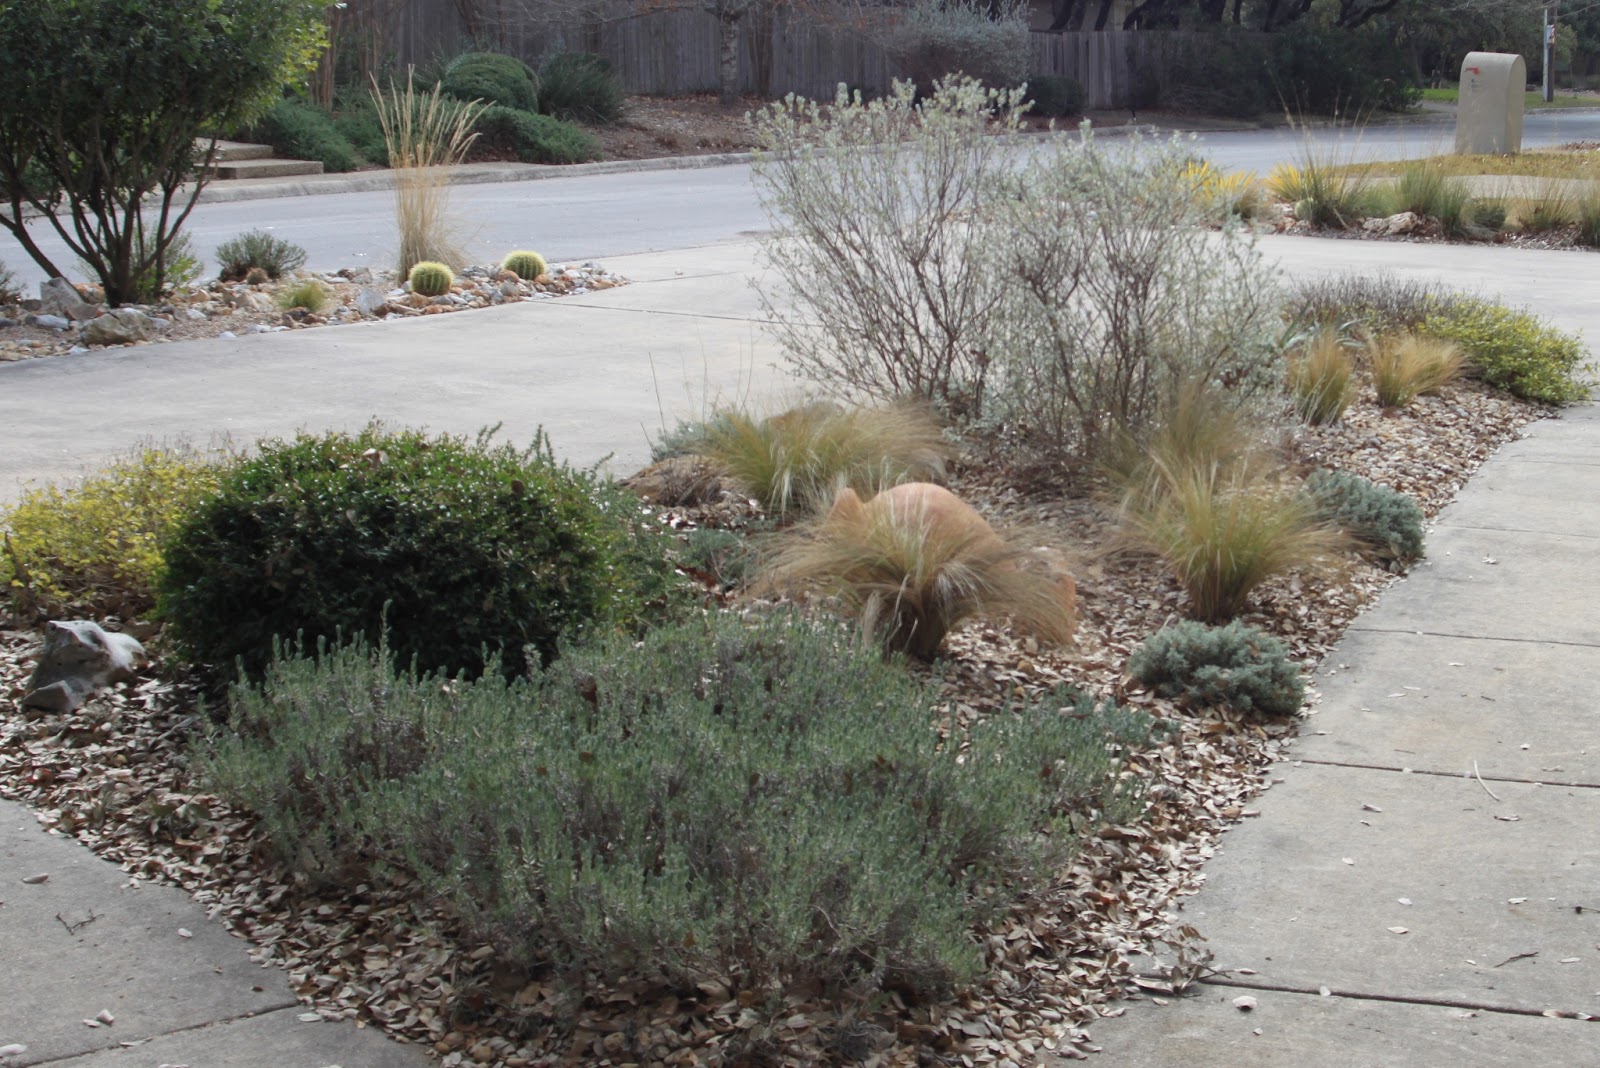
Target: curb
{"x":243,"y":189}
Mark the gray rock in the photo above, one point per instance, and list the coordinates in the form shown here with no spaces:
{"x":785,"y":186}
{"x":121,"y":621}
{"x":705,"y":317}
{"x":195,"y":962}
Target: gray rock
{"x":79,"y":657}
{"x":77,"y":350}
{"x":510,"y":289}
{"x":7,"y":322}
{"x":257,"y":328}
{"x":361,"y":276}
{"x":195,"y":315}
{"x":49,"y":322}
{"x":119,"y":326}
{"x":371,"y":302}
{"x":57,"y":297}
{"x":227,"y":334}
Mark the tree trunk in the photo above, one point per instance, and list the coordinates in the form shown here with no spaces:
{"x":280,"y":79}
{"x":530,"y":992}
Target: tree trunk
{"x":728,"y":67}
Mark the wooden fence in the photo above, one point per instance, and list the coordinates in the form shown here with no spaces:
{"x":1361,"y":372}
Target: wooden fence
{"x":676,"y":51}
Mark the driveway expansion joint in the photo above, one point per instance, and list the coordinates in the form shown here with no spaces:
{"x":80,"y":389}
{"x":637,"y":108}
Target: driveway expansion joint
{"x":1470,"y":777}
{"x":1401,"y":999}
{"x":1356,"y":628}
{"x":68,"y":1058}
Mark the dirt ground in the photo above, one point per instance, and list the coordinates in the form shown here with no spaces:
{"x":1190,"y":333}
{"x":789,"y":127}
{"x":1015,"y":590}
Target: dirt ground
{"x":654,"y":126}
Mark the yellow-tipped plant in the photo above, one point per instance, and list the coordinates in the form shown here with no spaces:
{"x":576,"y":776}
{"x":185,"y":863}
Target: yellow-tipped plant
{"x":1214,"y":503}
{"x":798,"y":460}
{"x":1322,"y":377}
{"x":1238,"y":193}
{"x":426,"y":134}
{"x":1407,"y":365}
{"x":910,"y":572}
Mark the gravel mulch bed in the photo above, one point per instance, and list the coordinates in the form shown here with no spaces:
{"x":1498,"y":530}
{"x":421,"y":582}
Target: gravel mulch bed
{"x":113,"y":776}
{"x":228,"y":309}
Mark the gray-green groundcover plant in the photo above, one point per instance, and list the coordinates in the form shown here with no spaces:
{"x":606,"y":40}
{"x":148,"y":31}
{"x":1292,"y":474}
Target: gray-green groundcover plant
{"x":1237,"y":666}
{"x":755,"y":800}
{"x":1386,"y":521}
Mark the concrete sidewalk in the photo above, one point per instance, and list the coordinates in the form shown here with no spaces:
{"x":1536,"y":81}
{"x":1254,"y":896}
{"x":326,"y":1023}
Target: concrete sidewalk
{"x":179,"y":989}
{"x":1424,"y":885}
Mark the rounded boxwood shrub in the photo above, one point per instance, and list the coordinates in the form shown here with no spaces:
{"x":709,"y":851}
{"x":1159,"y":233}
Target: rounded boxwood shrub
{"x":492,"y":78}
{"x":1387,"y":521}
{"x":1054,"y":96}
{"x":1237,"y":666}
{"x":456,"y":547}
{"x":430,"y":279}
{"x":525,"y":265}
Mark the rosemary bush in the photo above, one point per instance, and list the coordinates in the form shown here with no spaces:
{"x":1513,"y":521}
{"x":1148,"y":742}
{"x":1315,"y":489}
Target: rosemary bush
{"x":762,"y":801}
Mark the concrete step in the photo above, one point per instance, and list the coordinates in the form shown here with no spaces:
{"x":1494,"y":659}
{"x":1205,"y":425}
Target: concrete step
{"x":268,"y":168}
{"x":232,"y":151}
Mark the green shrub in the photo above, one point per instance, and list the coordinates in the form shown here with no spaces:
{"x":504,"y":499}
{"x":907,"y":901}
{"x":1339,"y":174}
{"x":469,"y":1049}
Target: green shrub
{"x":525,"y":265}
{"x":1514,"y":350}
{"x":492,"y":78}
{"x":9,"y":293}
{"x":308,"y":293}
{"x":431,"y":279}
{"x":360,"y":126}
{"x":760,"y":801}
{"x":721,"y":554}
{"x":1382,"y":302}
{"x":579,"y":86}
{"x":94,"y":548}
{"x":531,"y":138}
{"x":1055,"y":96}
{"x":1237,"y":666}
{"x":1489,"y":214}
{"x":181,"y":267}
{"x":937,"y":39}
{"x":1388,"y":523}
{"x":299,"y":130}
{"x":465,"y":545}
{"x":257,"y":248}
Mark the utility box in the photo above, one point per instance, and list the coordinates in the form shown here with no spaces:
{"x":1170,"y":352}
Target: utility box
{"x":1489,"y":105}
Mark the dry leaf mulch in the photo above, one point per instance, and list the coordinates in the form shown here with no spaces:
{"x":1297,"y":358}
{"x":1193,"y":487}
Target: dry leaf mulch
{"x":113,"y":775}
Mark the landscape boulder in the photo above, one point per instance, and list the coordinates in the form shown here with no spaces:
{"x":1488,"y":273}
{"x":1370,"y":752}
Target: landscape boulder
{"x":57,"y":297}
{"x":79,"y":657}
{"x":120,"y":326}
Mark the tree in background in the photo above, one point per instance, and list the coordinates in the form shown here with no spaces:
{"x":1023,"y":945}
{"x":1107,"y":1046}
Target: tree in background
{"x":108,"y":105}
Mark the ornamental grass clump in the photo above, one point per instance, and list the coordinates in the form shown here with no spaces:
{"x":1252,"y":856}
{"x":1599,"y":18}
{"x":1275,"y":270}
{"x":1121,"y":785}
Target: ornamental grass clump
{"x":309,"y":294}
{"x":1426,"y":189}
{"x":915,"y":562}
{"x":796,"y":461}
{"x":759,"y":800}
{"x":1322,"y":191}
{"x":1322,"y":380}
{"x":1386,"y":523}
{"x":1406,"y":366}
{"x":461,"y":548}
{"x":94,"y":548}
{"x":257,"y":249}
{"x":1210,"y":499}
{"x":1237,"y":666}
{"x":426,"y":134}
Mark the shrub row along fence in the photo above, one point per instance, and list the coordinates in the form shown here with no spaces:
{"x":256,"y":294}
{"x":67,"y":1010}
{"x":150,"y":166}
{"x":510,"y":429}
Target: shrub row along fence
{"x":676,"y":51}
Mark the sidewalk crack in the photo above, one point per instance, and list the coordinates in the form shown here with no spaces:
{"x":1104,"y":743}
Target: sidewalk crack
{"x":1450,"y":774}
{"x":148,"y":1038}
{"x":1402,"y":999}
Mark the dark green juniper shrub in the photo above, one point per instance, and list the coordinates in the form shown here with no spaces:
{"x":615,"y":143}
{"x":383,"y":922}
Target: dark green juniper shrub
{"x":580,"y":86}
{"x":1054,"y":96}
{"x":1238,"y":666}
{"x":530,"y":137}
{"x":299,"y":130}
{"x":464,"y":546}
{"x":1387,"y":522}
{"x":761,"y":800}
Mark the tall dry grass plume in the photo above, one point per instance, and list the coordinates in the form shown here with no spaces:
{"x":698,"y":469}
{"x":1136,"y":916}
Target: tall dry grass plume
{"x":1407,"y":365}
{"x":426,"y":134}
{"x":1209,"y":498}
{"x":915,"y":562}
{"x":1322,"y":377}
{"x":796,"y":461}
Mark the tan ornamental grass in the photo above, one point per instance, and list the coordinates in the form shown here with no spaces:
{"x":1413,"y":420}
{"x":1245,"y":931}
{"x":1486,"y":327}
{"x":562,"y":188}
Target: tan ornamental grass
{"x":1407,"y":365}
{"x":1212,"y":501}
{"x":910,"y":571}
{"x":1322,"y":380}
{"x":797,"y":460}
{"x":426,"y":134}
